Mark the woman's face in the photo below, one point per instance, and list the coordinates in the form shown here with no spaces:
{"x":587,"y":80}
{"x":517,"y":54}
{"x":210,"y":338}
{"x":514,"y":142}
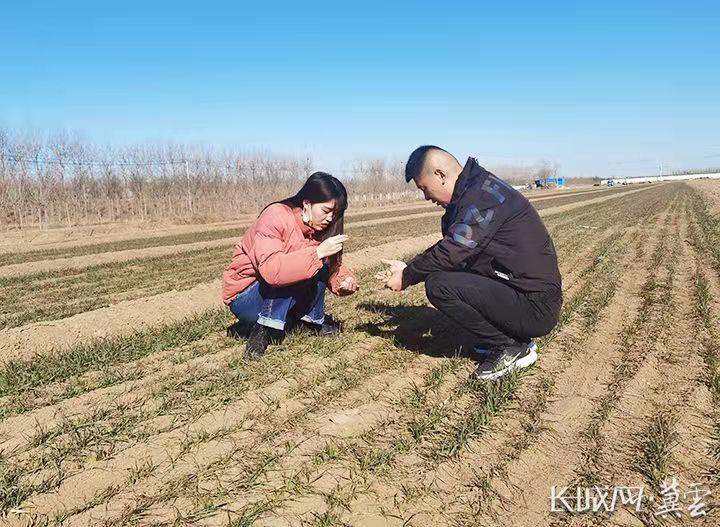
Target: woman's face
{"x":321,"y":214}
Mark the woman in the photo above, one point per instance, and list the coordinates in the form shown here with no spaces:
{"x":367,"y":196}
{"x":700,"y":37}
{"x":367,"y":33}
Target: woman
{"x":284,"y":262}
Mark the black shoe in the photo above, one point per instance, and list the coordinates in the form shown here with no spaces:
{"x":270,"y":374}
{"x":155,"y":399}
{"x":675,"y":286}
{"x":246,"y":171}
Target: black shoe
{"x":504,"y":360}
{"x":260,"y":338}
{"x":329,"y":328}
{"x":239,"y":330}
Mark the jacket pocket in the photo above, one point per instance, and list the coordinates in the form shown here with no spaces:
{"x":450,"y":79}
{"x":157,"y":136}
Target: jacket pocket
{"x":500,"y":271}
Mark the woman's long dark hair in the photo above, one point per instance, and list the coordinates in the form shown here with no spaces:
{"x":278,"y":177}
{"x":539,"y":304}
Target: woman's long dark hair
{"x":319,"y":188}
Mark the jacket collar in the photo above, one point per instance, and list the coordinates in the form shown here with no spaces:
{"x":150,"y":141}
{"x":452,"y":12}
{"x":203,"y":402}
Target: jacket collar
{"x":469,"y":172}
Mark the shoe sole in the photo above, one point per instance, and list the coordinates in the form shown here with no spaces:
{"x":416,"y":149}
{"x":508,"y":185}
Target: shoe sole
{"x":527,"y":360}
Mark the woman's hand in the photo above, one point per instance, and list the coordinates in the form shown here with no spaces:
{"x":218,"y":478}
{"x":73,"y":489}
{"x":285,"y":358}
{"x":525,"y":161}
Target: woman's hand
{"x":332,"y":245}
{"x":348,"y":286}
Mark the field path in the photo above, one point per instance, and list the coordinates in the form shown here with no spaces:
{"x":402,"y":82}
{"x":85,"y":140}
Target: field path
{"x":78,"y":262}
{"x":44,"y":337}
{"x":28,"y":241}
{"x":417,"y":211}
{"x":381,"y":425}
{"x":33,"y":240}
{"x":47,"y":336}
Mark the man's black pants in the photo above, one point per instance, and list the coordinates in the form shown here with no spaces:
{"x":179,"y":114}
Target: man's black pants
{"x":495,"y":313}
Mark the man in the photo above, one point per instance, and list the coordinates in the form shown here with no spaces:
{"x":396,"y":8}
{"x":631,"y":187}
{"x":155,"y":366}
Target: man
{"x":495,"y":271}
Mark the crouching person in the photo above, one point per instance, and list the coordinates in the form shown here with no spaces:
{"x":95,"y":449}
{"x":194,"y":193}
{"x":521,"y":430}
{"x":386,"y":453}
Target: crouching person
{"x":495,"y":271}
{"x":286,"y":260}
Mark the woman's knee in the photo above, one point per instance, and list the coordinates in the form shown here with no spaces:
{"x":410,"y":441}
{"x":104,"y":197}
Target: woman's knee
{"x":243,"y":315}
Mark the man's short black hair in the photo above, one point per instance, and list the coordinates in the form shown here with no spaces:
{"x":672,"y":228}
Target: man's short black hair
{"x":416,"y":161}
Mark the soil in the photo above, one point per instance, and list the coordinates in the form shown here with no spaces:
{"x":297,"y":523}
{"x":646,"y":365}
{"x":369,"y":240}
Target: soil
{"x":308,"y":446}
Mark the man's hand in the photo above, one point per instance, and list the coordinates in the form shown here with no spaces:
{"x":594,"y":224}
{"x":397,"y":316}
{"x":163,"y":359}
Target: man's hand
{"x":348,"y":286}
{"x":395,"y":265}
{"x":395,"y":271}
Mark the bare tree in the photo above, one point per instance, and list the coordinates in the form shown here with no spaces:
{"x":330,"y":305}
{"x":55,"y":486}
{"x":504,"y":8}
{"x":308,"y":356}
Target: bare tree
{"x":59,"y":179}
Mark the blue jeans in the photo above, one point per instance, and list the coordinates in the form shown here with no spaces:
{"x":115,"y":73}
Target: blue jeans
{"x":272,"y":307}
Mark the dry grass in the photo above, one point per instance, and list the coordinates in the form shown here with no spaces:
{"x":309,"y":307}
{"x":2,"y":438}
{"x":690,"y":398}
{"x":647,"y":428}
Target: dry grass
{"x":171,"y":426}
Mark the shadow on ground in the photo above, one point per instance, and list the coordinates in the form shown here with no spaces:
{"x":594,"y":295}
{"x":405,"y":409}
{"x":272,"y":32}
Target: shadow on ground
{"x":421,"y":329}
{"x":239,"y":330}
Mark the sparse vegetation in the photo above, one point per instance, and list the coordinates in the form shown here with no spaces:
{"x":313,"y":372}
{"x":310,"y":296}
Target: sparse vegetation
{"x":169,"y":425}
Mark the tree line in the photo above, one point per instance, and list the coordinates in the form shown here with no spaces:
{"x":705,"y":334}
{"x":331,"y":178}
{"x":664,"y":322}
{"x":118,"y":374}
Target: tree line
{"x":60,"y":180}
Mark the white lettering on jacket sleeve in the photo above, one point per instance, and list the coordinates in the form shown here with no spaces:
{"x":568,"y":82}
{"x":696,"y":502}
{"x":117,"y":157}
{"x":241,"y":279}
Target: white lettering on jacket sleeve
{"x":463,"y":232}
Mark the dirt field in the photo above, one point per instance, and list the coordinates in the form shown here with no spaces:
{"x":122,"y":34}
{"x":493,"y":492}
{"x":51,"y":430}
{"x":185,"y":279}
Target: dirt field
{"x":124,"y":401}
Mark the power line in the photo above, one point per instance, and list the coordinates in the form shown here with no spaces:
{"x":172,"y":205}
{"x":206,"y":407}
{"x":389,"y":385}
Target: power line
{"x":44,"y":161}
{"x":157,"y":162}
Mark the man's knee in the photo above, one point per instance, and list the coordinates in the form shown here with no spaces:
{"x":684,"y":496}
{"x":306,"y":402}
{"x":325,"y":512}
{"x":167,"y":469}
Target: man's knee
{"x":437,"y":287}
{"x":547,"y":312}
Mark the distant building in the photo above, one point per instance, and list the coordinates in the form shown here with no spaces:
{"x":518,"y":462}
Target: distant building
{"x":550,"y":182}
{"x":655,"y":179}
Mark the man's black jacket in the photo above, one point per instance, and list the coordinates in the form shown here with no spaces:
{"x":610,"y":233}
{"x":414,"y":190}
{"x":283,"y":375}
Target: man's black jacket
{"x":489,"y":228}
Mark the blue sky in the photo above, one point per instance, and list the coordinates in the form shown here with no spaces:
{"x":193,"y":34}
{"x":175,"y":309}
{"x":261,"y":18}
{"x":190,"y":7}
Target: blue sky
{"x":602,"y":88}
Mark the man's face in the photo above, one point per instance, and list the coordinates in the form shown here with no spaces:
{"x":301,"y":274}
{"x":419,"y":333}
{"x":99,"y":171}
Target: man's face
{"x":435,"y":187}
